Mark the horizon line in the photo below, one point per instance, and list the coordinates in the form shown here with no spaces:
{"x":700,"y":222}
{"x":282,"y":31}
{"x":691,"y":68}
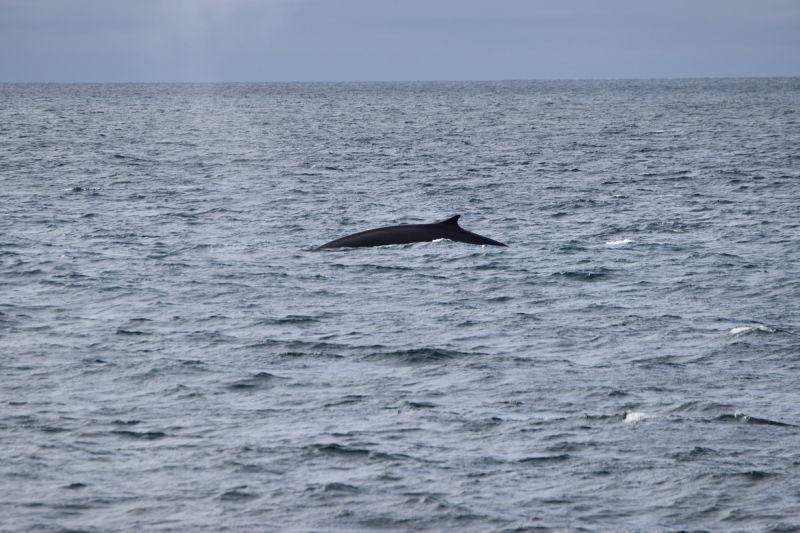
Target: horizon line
{"x":507,"y":80}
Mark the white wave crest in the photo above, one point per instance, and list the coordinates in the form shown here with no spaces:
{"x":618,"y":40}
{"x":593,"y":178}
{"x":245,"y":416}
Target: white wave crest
{"x":748,"y":329}
{"x":618,"y":243}
{"x":633,"y":416}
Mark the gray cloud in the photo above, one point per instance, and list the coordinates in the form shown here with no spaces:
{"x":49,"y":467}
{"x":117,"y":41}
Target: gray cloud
{"x":282,"y":40}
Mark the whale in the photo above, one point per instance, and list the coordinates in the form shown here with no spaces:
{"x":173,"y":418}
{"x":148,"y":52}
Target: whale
{"x":408,"y":233}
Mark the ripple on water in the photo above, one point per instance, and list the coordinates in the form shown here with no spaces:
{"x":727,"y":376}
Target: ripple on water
{"x":175,"y":356}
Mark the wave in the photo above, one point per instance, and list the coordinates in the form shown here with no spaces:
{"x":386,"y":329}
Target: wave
{"x":257,"y":381}
{"x":752,"y":329}
{"x":420,"y":355}
{"x":581,"y":275}
{"x":635,"y":416}
{"x":539,"y":460}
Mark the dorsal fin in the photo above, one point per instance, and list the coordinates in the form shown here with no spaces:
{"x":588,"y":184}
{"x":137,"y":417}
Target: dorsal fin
{"x":453,"y":221}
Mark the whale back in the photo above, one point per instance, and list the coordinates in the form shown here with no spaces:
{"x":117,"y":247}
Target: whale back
{"x":409,"y":233}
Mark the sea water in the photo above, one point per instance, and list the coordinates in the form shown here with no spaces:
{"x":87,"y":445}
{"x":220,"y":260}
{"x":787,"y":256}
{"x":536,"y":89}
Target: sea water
{"x":175,"y":356}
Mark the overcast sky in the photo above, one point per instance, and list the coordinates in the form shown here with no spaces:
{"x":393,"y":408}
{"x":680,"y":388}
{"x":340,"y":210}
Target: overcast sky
{"x":373,"y":40}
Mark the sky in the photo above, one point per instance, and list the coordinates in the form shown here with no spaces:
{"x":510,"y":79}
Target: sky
{"x":394,"y":40}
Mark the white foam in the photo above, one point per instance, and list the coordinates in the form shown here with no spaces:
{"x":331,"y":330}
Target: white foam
{"x":748,"y":329}
{"x":633,"y":416}
{"x":618,"y":243}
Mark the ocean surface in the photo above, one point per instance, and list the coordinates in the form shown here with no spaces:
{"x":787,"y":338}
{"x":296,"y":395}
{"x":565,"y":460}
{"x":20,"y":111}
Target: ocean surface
{"x":175,"y":356}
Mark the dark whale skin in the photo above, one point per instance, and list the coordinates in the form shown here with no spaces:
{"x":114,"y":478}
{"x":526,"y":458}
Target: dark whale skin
{"x":408,"y":233}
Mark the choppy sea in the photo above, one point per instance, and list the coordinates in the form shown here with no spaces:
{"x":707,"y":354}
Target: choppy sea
{"x":175,"y":356}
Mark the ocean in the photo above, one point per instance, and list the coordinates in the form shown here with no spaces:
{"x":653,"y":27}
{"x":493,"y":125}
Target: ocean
{"x":176,"y":356}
